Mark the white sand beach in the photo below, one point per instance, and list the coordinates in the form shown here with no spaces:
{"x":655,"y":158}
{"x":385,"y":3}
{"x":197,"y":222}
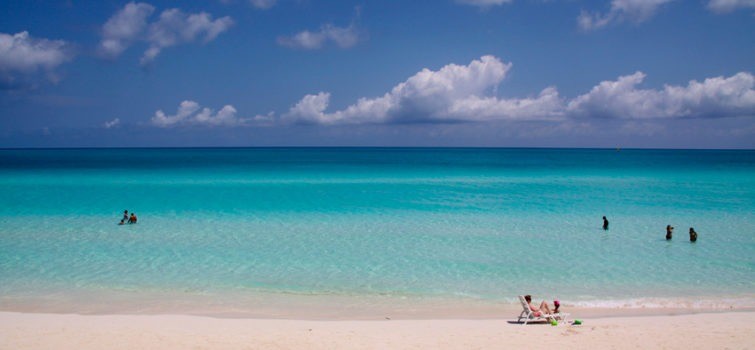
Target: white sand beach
{"x":732,"y":330}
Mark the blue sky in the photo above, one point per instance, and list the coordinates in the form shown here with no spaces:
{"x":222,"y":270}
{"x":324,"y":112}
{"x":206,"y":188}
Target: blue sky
{"x":500,"y":73}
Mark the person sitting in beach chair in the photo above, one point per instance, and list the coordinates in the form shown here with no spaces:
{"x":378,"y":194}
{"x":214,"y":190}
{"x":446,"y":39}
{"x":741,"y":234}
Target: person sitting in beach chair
{"x":532,"y":313}
{"x":539,"y":311}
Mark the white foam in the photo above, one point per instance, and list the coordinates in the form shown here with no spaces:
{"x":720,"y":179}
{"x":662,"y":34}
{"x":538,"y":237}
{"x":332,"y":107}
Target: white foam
{"x":704,"y":303}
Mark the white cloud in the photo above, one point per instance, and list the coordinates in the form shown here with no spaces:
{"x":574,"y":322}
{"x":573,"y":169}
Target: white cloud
{"x":714,"y":97}
{"x":457,"y":93}
{"x":546,"y":106}
{"x":20,"y":53}
{"x":191,"y":113}
{"x":723,"y":6}
{"x":621,"y":10}
{"x":590,"y":21}
{"x":111,"y":124}
{"x":468,"y":93}
{"x":175,"y":27}
{"x":124,"y":27}
{"x":343,"y":37}
{"x":263,"y":4}
{"x":452,"y":94}
{"x":484,"y":3}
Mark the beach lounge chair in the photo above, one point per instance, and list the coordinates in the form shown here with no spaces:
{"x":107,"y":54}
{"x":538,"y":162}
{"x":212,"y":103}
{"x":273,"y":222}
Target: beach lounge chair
{"x":528,"y":315}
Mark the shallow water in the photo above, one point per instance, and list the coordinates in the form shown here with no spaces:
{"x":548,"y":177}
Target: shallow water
{"x":424,"y":224}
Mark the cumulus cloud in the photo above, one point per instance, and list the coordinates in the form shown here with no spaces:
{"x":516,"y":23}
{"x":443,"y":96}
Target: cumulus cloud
{"x":191,"y":113}
{"x":714,"y":97}
{"x":469,"y":93}
{"x":111,"y":124}
{"x":484,"y":3}
{"x":547,"y":105}
{"x":123,"y":28}
{"x":343,"y":37}
{"x":621,"y":10}
{"x":457,"y":93}
{"x":263,"y":4}
{"x":21,"y":54}
{"x":454,"y":93}
{"x":173,"y":27}
{"x":723,"y":6}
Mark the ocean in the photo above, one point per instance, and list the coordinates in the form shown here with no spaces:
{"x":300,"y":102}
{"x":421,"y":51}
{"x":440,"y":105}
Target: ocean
{"x":230,"y":229}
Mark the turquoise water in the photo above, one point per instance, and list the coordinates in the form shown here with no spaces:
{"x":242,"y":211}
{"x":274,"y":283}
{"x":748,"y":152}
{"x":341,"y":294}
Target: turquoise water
{"x":454,"y":224}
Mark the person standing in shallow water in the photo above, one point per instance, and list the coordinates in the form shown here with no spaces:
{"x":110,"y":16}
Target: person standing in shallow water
{"x":692,"y":235}
{"x":605,"y":223}
{"x":669,"y":232}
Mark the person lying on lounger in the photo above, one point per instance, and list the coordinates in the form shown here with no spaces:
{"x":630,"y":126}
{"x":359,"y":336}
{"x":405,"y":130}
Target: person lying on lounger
{"x":542,"y":310}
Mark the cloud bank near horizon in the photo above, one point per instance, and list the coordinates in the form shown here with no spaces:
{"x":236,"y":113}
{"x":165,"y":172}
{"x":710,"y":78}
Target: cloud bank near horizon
{"x":469,"y":93}
{"x":190,"y":112}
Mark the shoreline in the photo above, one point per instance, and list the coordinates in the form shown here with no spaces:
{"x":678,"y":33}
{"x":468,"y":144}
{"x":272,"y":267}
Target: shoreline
{"x":344,"y":308}
{"x":507,"y":313}
{"x":699,"y":331}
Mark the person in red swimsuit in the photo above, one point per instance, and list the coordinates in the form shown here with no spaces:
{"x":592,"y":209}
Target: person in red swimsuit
{"x":543,"y":309}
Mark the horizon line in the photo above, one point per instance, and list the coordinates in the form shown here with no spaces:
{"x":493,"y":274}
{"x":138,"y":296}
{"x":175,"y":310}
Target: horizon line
{"x":371,"y":147}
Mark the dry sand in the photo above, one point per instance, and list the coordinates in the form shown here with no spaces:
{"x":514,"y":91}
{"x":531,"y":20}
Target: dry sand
{"x":733,"y":330}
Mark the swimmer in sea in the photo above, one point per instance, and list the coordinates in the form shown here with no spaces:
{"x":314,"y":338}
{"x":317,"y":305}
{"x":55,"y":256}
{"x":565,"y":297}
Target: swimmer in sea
{"x":692,"y":235}
{"x":669,"y":232}
{"x":605,"y":223}
{"x":132,"y":219}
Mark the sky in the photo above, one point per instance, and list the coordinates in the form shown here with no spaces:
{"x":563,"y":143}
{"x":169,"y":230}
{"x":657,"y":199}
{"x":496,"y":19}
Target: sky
{"x":420,"y":73}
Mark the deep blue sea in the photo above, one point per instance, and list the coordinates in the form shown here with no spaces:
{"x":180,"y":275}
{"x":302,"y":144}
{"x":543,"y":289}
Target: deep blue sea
{"x":407,"y":223}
